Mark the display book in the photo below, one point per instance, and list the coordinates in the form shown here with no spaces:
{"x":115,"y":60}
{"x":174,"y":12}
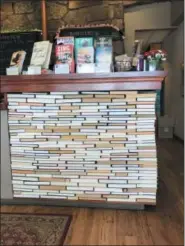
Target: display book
{"x":87,"y":54}
{"x":40,"y":59}
{"x":16,"y":63}
{"x":90,"y":56}
{"x":41,"y":56}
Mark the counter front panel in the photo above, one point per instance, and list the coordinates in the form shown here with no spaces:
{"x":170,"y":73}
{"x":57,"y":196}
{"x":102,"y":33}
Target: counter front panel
{"x":84,"y":145}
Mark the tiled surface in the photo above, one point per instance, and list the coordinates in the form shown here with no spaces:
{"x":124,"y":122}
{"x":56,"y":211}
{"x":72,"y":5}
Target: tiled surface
{"x":87,"y":145}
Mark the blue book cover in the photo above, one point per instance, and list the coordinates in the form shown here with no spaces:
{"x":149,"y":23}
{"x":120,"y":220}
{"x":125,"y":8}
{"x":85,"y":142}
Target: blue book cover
{"x":103,"y":55}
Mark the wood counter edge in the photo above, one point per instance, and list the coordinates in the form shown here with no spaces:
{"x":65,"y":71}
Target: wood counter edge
{"x":77,"y":203}
{"x":81,"y":82}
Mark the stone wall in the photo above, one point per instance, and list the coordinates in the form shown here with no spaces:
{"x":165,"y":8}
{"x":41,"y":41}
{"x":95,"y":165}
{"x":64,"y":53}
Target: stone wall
{"x":27,"y":14}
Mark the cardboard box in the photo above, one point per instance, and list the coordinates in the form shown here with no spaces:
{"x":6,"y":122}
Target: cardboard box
{"x":155,"y":46}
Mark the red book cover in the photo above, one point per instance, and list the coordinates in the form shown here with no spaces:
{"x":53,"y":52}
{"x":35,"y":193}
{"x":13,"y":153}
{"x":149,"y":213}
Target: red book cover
{"x":64,"y":54}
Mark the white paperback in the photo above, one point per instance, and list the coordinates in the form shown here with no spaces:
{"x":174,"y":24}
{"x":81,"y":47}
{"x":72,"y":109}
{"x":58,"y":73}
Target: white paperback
{"x":41,"y":54}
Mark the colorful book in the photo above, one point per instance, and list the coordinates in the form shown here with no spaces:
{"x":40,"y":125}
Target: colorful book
{"x":103,"y":55}
{"x":64,"y":52}
{"x":85,"y":55}
{"x":85,"y":42}
{"x":104,"y":50}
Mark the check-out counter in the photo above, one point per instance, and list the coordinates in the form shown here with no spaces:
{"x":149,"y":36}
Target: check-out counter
{"x":83,"y":139}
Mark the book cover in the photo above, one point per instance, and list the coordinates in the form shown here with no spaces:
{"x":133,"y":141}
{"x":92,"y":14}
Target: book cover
{"x":103,"y":42}
{"x":40,"y":53}
{"x":103,"y":55}
{"x":85,"y":55}
{"x":65,"y":41}
{"x":17,"y":60}
{"x":83,"y":43}
{"x":64,"y":54}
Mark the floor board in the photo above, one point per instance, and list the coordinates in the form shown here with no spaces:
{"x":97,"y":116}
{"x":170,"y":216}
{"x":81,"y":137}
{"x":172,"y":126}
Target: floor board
{"x":163,"y":225}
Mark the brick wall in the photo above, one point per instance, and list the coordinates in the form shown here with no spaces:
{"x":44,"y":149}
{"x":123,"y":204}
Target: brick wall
{"x":83,"y":146}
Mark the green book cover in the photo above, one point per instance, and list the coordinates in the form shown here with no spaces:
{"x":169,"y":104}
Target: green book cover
{"x":83,"y":43}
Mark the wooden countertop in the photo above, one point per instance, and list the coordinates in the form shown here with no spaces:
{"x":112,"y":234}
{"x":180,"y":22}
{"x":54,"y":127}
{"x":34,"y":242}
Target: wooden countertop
{"x":79,"y":82}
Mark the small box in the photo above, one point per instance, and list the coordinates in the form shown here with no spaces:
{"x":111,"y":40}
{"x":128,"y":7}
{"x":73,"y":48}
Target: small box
{"x":12,"y":71}
{"x":165,"y":127}
{"x":85,"y":68}
{"x":155,"y":46}
{"x":103,"y":68}
{"x":34,"y":70}
{"x":62,"y":68}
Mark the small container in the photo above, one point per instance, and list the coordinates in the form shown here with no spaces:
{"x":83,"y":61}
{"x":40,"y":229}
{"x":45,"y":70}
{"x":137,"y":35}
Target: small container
{"x":140,"y":64}
{"x":144,"y":65}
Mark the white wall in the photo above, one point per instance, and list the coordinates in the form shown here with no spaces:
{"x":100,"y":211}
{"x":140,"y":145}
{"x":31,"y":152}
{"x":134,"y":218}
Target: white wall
{"x":6,"y":183}
{"x":174,"y":44}
{"x":156,"y":15}
{"x":177,"y":10}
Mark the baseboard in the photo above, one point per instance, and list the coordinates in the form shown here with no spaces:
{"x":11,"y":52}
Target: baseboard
{"x":77,"y":204}
{"x":178,"y":139}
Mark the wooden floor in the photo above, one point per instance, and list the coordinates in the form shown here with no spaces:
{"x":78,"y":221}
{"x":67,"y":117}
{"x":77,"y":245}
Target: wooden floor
{"x":160,"y":226}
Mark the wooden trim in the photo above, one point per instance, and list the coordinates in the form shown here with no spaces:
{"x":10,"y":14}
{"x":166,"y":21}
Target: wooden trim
{"x":44,"y":19}
{"x":82,"y":204}
{"x":79,"y":82}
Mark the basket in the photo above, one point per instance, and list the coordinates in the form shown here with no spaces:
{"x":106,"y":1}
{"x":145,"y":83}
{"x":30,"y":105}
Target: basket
{"x":121,"y":66}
